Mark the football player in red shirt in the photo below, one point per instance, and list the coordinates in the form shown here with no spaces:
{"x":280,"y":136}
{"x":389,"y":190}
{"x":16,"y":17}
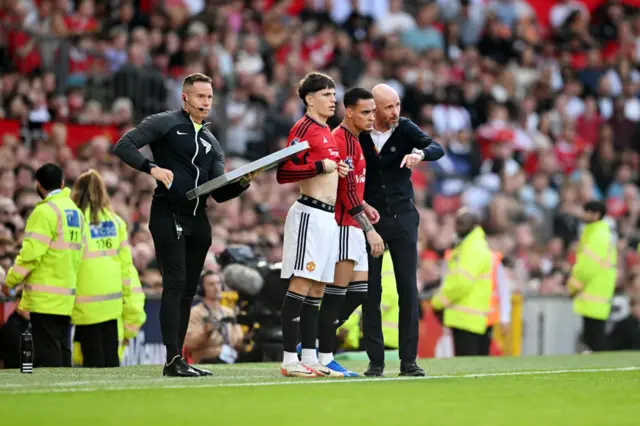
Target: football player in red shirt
{"x":349,"y":288}
{"x":310,"y":230}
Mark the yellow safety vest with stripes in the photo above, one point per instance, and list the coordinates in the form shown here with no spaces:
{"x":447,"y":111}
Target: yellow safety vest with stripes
{"x":50,"y":256}
{"x":133,"y":315}
{"x":466,"y":292}
{"x":132,"y":320}
{"x":389,"y":303}
{"x":593,"y":277}
{"x":104,"y":272}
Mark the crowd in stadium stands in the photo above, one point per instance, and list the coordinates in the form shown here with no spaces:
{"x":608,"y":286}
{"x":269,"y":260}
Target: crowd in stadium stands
{"x":537,"y":108}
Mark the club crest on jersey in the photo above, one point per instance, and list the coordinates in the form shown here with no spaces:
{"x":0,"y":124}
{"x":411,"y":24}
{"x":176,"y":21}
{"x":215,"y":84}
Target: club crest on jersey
{"x":207,"y":145}
{"x":393,"y":149}
{"x":311,"y":266}
{"x":295,"y":141}
{"x":349,"y":162}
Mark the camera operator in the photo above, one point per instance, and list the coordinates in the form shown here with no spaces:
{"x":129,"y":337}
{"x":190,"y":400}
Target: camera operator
{"x":213,"y":335}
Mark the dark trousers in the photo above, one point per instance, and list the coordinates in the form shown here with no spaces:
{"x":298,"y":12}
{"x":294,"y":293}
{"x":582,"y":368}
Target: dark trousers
{"x":180,"y":261}
{"x":51,"y":340}
{"x":400,"y":232}
{"x":593,"y":334}
{"x":99,"y":343}
{"x":485,"y":341}
{"x":467,"y":343}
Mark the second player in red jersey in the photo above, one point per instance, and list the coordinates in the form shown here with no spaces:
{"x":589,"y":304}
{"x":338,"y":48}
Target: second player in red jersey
{"x":349,"y":287}
{"x":350,"y":188}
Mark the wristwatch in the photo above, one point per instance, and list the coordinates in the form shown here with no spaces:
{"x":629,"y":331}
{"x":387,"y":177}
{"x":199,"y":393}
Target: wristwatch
{"x":418,"y":151}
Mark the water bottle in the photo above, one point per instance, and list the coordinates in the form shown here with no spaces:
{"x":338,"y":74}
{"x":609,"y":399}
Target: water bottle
{"x":26,"y":351}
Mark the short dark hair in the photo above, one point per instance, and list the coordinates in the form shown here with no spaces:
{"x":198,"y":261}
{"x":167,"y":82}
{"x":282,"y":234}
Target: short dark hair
{"x":314,"y":82}
{"x":50,"y":177}
{"x":191,"y":79}
{"x":596,"y":207}
{"x":352,"y":96}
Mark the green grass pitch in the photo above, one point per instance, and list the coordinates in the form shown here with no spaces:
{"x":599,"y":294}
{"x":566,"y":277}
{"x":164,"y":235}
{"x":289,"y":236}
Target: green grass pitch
{"x":597,"y":389}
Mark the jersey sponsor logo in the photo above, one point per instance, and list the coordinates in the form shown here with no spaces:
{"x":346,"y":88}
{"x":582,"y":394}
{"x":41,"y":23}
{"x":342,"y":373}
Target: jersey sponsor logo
{"x":311,"y":266}
{"x":334,"y":152}
{"x":104,"y":229}
{"x":73,"y":218}
{"x":207,"y":145}
{"x":360,"y":178}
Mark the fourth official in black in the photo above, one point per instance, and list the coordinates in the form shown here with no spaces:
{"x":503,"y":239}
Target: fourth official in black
{"x":185,"y":155}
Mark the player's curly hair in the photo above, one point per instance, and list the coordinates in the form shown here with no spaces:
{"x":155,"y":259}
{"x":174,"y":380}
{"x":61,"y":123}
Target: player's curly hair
{"x":314,"y":82}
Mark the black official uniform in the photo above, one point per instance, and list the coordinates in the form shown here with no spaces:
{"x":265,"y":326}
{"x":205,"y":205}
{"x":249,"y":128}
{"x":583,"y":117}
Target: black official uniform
{"x":180,"y":228}
{"x":388,"y":188}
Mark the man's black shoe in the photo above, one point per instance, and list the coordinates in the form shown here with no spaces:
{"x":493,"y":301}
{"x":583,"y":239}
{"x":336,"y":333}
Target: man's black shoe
{"x":178,"y":368}
{"x":201,"y":371}
{"x":411,"y":369}
{"x":374,"y":370}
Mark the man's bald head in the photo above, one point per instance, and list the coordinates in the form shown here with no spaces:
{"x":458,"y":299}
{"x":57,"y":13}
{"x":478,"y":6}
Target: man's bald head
{"x":387,"y":106}
{"x":466,"y":221}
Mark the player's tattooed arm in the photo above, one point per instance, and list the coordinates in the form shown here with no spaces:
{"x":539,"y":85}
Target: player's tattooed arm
{"x":363,"y":221}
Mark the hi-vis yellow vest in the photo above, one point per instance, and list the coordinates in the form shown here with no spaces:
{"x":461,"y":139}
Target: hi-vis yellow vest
{"x":466,"y":292}
{"x":593,"y":276}
{"x":105,"y":270}
{"x":389,"y":303}
{"x":133,"y":317}
{"x":50,"y":256}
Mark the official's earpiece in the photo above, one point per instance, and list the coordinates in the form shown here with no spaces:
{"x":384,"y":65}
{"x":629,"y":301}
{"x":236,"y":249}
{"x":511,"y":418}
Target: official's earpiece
{"x":184,"y":98}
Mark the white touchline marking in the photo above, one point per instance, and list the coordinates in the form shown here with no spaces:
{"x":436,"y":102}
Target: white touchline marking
{"x":25,"y":390}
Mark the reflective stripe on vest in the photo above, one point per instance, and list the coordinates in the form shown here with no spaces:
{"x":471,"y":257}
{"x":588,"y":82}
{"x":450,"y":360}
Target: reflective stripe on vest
{"x":60,"y":243}
{"x":137,"y":290}
{"x":131,"y":327}
{"x":604,"y":263}
{"x":101,"y":253}
{"x":38,"y":237}
{"x":593,"y":298}
{"x":389,"y":324}
{"x":48,"y":289}
{"x":98,"y":298}
{"x":21,"y":270}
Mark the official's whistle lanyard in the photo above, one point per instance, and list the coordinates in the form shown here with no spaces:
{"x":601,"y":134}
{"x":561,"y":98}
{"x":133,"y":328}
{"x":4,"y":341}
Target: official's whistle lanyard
{"x":222,"y":328}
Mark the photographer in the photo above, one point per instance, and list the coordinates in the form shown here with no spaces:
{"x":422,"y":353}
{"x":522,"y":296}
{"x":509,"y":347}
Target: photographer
{"x":213,"y":335}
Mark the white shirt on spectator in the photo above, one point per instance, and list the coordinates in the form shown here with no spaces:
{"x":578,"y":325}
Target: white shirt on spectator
{"x":450,"y":119}
{"x":194,"y":6}
{"x":396,"y":23}
{"x":575,"y":107}
{"x":559,"y":12}
{"x":341,"y":9}
{"x":632,"y":109}
{"x":250,"y":64}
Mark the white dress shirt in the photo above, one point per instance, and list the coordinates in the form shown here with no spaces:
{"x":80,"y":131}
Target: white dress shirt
{"x":381,"y":138}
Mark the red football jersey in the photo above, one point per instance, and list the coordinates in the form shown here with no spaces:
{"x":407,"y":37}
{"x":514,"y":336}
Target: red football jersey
{"x":351,"y":187}
{"x":308,"y":163}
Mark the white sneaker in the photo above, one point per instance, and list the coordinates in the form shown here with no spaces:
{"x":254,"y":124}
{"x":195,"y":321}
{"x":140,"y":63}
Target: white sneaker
{"x":322,"y":370}
{"x":297,"y":369}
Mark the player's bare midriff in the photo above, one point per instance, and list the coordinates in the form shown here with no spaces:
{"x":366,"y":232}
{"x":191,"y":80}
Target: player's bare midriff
{"x":322,"y":187}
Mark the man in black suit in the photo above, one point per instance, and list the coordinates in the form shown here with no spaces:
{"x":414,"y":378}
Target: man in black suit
{"x":391,"y":149}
